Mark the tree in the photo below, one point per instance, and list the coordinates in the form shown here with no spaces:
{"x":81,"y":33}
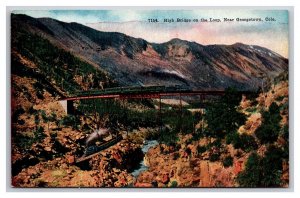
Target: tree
{"x":251,"y":176}
{"x":244,"y":141}
{"x":263,"y":171}
{"x":269,"y":130}
{"x":169,"y":137}
{"x":272,"y":167}
{"x":223,"y":116}
{"x":45,"y":118}
{"x":228,"y":161}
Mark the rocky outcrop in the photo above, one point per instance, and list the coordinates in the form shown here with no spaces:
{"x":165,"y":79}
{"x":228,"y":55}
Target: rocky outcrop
{"x":183,"y":166}
{"x":111,"y":168}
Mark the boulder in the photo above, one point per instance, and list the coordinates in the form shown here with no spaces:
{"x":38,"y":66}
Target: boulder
{"x":165,"y":179}
{"x":70,"y":159}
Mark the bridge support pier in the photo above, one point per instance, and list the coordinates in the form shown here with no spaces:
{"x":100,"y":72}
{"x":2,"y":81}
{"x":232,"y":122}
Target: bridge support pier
{"x":180,"y":112}
{"x":70,"y":107}
{"x":160,"y":118}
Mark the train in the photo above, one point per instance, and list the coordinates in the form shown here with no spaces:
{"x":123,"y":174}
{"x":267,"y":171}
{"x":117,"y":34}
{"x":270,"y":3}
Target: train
{"x":132,"y":90}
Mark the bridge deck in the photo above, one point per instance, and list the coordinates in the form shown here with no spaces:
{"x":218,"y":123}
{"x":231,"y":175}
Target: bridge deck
{"x":143,"y":92}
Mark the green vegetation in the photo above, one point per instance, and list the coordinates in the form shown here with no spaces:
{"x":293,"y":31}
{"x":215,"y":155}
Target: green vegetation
{"x":269,"y":130}
{"x":223,"y":116}
{"x":70,"y":120}
{"x":180,"y":120}
{"x":168,"y":137}
{"x":228,"y":161}
{"x":48,"y":119}
{"x":201,"y":149}
{"x":263,"y":171}
{"x":119,"y":115}
{"x":244,"y":141}
{"x":56,"y":65}
{"x":250,"y":177}
{"x":214,"y":157}
{"x":217,"y":143}
{"x":38,"y":87}
{"x":25,"y":141}
{"x":15,"y":115}
{"x":174,"y":184}
{"x":284,"y":76}
{"x":285,"y":135}
{"x":251,"y":109}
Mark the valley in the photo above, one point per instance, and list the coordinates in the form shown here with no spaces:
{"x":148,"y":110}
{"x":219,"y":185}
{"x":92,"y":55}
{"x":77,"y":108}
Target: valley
{"x":228,"y":140}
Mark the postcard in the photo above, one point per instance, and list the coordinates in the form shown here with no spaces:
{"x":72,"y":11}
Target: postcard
{"x":144,"y":98}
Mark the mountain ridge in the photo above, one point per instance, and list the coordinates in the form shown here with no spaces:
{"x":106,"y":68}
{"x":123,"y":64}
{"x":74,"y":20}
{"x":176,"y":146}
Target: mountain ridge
{"x":133,"y":61}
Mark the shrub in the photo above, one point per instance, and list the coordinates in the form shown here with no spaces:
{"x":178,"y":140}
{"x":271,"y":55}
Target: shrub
{"x":39,"y":90}
{"x":248,"y":142}
{"x":39,"y":134}
{"x":32,"y":111}
{"x":251,"y":109}
{"x":176,"y":156}
{"x":244,"y":141}
{"x":70,"y":120}
{"x":217,"y":143}
{"x":168,"y":137}
{"x":201,"y":149}
{"x":263,"y":171}
{"x":214,"y":157}
{"x":228,"y":161}
{"x":279,"y":98}
{"x":285,"y":136}
{"x":174,"y":184}
{"x":269,"y":130}
{"x":15,"y":115}
{"x":180,"y":121}
{"x":23,"y":141}
{"x":21,"y":122}
{"x":231,"y":137}
{"x":251,"y":176}
{"x":119,"y":114}
{"x":197,"y":135}
{"x":273,"y":157}
{"x":222,"y":116}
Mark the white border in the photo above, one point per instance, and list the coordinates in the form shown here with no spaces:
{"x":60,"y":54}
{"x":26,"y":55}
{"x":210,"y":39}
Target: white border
{"x":3,"y":79}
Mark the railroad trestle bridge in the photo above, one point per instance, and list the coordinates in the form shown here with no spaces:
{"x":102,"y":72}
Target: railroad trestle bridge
{"x":124,"y":93}
{"x":142,"y":92}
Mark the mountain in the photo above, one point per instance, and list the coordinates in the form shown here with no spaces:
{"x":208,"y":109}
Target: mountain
{"x":134,"y":61}
{"x":52,"y":59}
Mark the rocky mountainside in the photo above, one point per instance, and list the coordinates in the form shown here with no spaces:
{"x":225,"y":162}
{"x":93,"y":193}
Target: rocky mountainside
{"x":132,"y":61}
{"x":52,"y":59}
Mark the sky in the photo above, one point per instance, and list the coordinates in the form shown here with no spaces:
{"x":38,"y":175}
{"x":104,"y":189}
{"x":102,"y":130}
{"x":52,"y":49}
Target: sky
{"x":269,"y":34}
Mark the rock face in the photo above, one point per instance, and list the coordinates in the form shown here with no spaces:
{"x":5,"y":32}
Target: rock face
{"x":133,"y":61}
{"x":186,"y":170}
{"x":185,"y":167}
{"x":108,"y":169}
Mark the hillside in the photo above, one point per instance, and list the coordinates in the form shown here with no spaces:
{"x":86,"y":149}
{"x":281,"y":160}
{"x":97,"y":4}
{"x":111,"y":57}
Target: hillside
{"x":254,"y":153}
{"x":228,"y":151}
{"x":217,"y":142}
{"x":132,"y":61}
